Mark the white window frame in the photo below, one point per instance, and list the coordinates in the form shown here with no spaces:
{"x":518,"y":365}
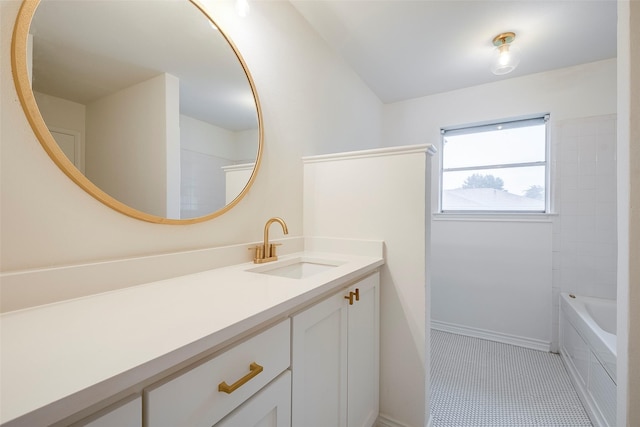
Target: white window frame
{"x":506,"y":123}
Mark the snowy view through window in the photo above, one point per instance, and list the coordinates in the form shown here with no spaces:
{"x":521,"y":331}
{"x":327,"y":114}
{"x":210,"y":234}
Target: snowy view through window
{"x":500,"y":167}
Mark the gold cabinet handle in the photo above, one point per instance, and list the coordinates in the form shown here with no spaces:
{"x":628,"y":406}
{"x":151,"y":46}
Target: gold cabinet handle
{"x":355,"y":294}
{"x":350,"y":297}
{"x":254,"y":370}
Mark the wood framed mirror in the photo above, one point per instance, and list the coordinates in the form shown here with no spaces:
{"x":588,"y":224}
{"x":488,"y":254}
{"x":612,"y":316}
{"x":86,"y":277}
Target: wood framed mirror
{"x":146,"y":105}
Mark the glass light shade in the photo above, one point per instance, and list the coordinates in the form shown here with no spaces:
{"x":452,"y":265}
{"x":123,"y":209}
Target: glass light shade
{"x":242,"y":8}
{"x":506,"y":58}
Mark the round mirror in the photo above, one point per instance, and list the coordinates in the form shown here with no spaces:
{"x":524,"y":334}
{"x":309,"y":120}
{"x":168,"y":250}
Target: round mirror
{"x":146,"y":105}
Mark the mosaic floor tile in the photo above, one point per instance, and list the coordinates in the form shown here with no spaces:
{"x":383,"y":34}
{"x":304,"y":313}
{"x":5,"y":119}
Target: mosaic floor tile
{"x":476,"y":382}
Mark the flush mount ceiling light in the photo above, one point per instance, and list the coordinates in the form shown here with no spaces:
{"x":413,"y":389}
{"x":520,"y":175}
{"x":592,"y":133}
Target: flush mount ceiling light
{"x":505,"y":56}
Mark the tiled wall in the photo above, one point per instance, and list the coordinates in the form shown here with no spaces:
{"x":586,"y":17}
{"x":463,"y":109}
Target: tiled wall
{"x":584,"y":232}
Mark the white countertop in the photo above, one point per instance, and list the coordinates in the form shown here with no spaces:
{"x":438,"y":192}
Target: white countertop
{"x":57,"y":359}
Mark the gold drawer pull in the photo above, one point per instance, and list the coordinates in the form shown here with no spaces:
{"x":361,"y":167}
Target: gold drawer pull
{"x":254,"y":370}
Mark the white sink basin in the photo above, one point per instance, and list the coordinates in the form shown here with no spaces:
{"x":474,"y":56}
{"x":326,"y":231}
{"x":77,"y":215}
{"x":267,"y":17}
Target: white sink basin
{"x":297,"y":268}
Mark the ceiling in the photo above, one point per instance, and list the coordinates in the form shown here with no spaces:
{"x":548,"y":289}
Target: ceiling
{"x":401,"y":49}
{"x":83,"y":51}
{"x":405,"y":49}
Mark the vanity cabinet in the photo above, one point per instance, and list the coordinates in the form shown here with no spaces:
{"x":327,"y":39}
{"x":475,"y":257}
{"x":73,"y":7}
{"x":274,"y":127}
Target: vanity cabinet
{"x":335,"y":359}
{"x":270,"y":407}
{"x":201,"y":396}
{"x":221,"y":356}
{"x":127,"y":413}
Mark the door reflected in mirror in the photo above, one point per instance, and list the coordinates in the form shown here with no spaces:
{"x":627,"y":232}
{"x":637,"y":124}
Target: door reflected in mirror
{"x":148,"y":100}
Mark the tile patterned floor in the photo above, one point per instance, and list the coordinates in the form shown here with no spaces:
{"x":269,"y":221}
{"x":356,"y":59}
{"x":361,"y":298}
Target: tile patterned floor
{"x":476,"y":382}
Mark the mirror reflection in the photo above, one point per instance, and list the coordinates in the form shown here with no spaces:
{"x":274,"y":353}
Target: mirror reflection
{"x":148,"y":100}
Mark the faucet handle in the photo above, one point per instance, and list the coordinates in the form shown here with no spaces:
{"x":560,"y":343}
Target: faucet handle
{"x":258,"y":252}
{"x":272,"y":250}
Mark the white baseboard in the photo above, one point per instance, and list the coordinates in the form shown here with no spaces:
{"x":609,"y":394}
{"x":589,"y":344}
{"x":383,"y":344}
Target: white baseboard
{"x":531,"y":343}
{"x":384,"y":421}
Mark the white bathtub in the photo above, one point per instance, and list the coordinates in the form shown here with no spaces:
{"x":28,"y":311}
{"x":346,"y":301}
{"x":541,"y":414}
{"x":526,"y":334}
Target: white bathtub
{"x":588,"y":348}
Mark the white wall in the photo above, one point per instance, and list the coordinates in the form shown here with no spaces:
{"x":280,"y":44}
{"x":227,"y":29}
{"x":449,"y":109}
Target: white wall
{"x":493,"y":278}
{"x":312,"y":103}
{"x":584,"y":232}
{"x":64,"y":115}
{"x":202,"y":187}
{"x":61,"y":113}
{"x":205,"y":150}
{"x":127,"y":141}
{"x":246,"y":147}
{"x":634,"y":219}
{"x":236,"y":178}
{"x":586,"y":201}
{"x":381,"y":195}
{"x":567,"y":94}
{"x":203,"y":137}
{"x":628,"y":175}
{"x":172,"y":144}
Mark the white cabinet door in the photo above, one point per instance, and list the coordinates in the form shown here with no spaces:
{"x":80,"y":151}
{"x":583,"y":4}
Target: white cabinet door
{"x":363,"y":354}
{"x":335,"y":359}
{"x":319,"y":364}
{"x":270,"y":407}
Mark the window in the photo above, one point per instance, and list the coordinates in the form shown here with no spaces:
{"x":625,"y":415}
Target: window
{"x":499,"y":167}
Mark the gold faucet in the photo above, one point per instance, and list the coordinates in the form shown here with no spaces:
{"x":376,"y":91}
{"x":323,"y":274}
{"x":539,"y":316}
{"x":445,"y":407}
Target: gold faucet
{"x":267,"y":251}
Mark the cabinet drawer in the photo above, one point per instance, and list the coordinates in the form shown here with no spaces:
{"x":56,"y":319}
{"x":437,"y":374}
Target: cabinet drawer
{"x":270,"y":407}
{"x":193,"y":399}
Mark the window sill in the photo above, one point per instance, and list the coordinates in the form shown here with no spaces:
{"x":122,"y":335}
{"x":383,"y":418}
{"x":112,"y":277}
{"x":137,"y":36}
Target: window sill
{"x":494,"y":216}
